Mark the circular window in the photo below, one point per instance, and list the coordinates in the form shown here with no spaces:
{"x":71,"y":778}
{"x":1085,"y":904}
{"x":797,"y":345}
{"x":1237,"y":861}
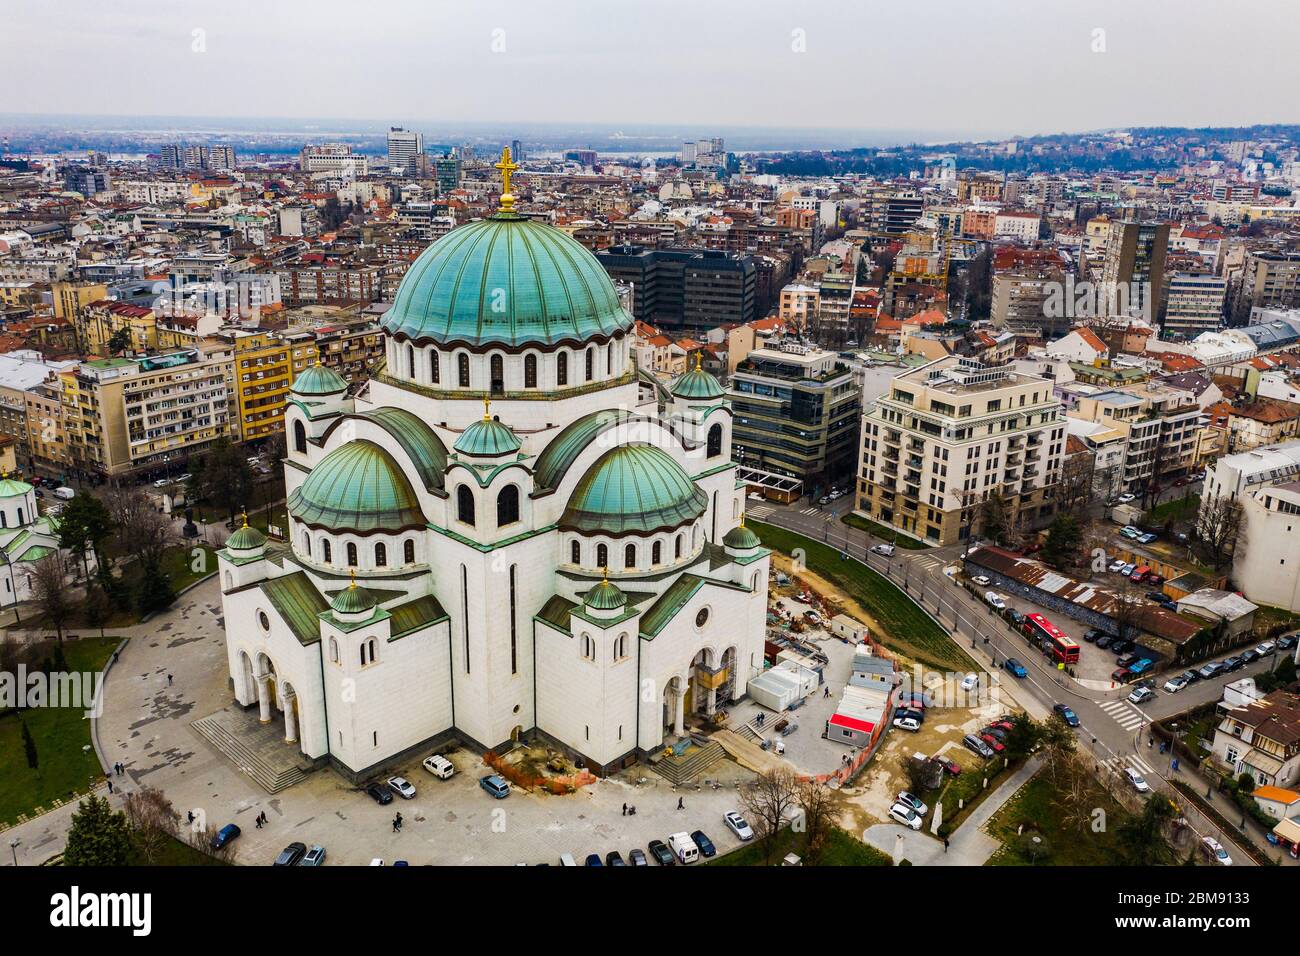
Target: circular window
{"x":702,"y":618}
{"x":516,"y":710}
{"x":264,"y":621}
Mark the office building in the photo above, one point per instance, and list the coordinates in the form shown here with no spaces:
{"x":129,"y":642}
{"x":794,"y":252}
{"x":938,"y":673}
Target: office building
{"x":1194,"y":304}
{"x":680,"y":289}
{"x":1133,"y":270}
{"x":405,"y":147}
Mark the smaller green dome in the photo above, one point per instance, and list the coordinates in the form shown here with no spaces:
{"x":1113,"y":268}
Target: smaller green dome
{"x":487,"y":438}
{"x":638,"y":489}
{"x":741,"y":538}
{"x":353,"y":600}
{"x":357,"y":487}
{"x":697,"y":384}
{"x":319,"y":380}
{"x":246,"y":538}
{"x":605,"y":597}
{"x":13,"y":488}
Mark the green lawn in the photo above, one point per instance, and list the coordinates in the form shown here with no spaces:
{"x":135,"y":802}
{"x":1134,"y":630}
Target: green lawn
{"x":908,"y":629}
{"x":1175,"y":510}
{"x":1035,"y":807}
{"x":186,"y":565}
{"x":176,"y":853}
{"x":59,"y":734}
{"x":883,"y":531}
{"x":840,"y":849}
{"x":968,"y":789}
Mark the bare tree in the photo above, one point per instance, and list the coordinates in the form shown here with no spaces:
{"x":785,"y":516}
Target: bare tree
{"x":1219,"y":526}
{"x":816,"y":804}
{"x":143,"y":531}
{"x":1074,"y":487}
{"x":768,"y":801}
{"x":153,"y":819}
{"x":50,"y":590}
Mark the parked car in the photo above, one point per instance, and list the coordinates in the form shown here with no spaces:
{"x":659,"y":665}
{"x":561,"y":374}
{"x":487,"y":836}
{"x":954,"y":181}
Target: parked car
{"x":1121,"y":645}
{"x":614,"y":858}
{"x":995,"y":600}
{"x":439,"y":766}
{"x":1066,"y":714}
{"x":906,"y":816}
{"x":707,"y":849}
{"x":1136,"y":779}
{"x":951,"y":767}
{"x":1234,"y":663}
{"x":907,"y":723}
{"x":1103,"y":642}
{"x":1003,"y":723}
{"x":916,"y":715}
{"x":663,"y":856}
{"x":495,"y":786}
{"x":1146,"y":538}
{"x":1015,"y":617}
{"x":1215,"y":852}
{"x":379,"y":793}
{"x":1250,"y":655}
{"x":913,"y":801}
{"x":886,"y":549}
{"x":1092,"y":635}
{"x":980,"y":579}
{"x":1015,"y":667}
{"x":996,"y":732}
{"x":1141,"y":695}
{"x":1175,"y":684}
{"x":993,"y":742}
{"x":980,"y":747}
{"x":1127,"y":569}
{"x":1130,"y":532}
{"x":315,"y":856}
{"x":1116,"y":564}
{"x":1263,"y":650}
{"x":636,"y":856}
{"x":290,"y":855}
{"x":1139,"y":574}
{"x":737,"y":825}
{"x":593,"y":859}
{"x":1211,"y":669}
{"x":402,"y":787}
{"x":970,"y":681}
{"x":1192,"y":676}
{"x":1124,"y":660}
{"x":1121,"y":675}
{"x":224,"y":836}
{"x":1126,"y":498}
{"x":683,"y":848}
{"x":1286,"y":642}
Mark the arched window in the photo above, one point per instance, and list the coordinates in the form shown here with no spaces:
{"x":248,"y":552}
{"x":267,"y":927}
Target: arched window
{"x":408,"y":551}
{"x":629,"y":556}
{"x":410,"y":360}
{"x":656,"y":552}
{"x":435,"y":371}
{"x":352,"y":555}
{"x":465,"y":504}
{"x":381,"y":556}
{"x":498,"y":382}
{"x":677,"y":548}
{"x":462,"y":369}
{"x":530,"y":370}
{"x":714,"y":442}
{"x":562,"y":369}
{"x":575,"y":553}
{"x":367,"y":652}
{"x":326,"y":551}
{"x":508,"y":506}
{"x":299,"y":437}
{"x":306,"y":544}
{"x":609,"y":359}
{"x":588,"y":648}
{"x":334,"y":650}
{"x":591,"y":362}
{"x":602,"y":556}
{"x":620,"y":647}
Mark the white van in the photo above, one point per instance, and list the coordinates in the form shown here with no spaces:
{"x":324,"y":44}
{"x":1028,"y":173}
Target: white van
{"x":684,"y":847}
{"x":439,"y":766}
{"x":66,"y":493}
{"x":566,"y":859}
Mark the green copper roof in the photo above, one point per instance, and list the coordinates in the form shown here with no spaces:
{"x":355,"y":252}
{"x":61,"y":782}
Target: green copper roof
{"x":298,"y":602}
{"x":487,"y":438}
{"x":416,"y":615}
{"x":669,"y":603}
{"x":319,"y":380}
{"x":357,"y":487}
{"x":697,"y":384}
{"x":572,"y":441}
{"x":13,"y":488}
{"x":605,"y":597}
{"x":246,"y":539}
{"x":741,"y":538}
{"x":634,"y":488}
{"x":353,"y":600}
{"x":505,"y":280}
{"x":420,"y":442}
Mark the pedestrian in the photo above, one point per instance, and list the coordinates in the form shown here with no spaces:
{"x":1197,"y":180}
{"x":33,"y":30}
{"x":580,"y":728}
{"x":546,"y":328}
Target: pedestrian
{"x":625,"y":809}
{"x":189,"y":817}
{"x":169,"y":680}
{"x":257,"y":821}
{"x":395,"y":824}
{"x":681,"y":804}
{"x":110,"y":786}
{"x":945,"y":844}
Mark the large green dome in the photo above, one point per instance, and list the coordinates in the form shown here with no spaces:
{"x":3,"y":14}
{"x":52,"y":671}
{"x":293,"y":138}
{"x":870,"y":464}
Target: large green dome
{"x":505,"y":280}
{"x":357,"y":487}
{"x":636,"y":489}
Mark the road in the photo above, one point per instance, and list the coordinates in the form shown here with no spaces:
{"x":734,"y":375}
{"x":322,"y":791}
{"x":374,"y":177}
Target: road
{"x":1113,"y":730}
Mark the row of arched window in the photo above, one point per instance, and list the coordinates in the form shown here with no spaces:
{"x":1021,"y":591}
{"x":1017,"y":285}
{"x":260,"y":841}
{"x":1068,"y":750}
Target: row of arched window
{"x":409,"y":367}
{"x":323,"y":551}
{"x":632,"y":552}
{"x":587,"y":647}
{"x":368,"y":648}
{"x":507,"y":505}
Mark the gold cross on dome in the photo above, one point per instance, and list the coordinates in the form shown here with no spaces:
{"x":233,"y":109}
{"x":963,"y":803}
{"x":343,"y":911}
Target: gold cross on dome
{"x":507,"y":168}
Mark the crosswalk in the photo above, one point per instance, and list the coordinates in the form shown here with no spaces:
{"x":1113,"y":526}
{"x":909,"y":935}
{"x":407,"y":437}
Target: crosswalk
{"x":811,"y":511}
{"x":1124,"y":714}
{"x":760,"y":511}
{"x":1117,"y":764}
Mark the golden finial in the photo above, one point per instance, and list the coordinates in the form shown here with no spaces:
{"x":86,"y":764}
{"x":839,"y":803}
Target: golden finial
{"x":742,"y":519}
{"x":352,"y":573}
{"x":245,"y":516}
{"x":699,"y":360}
{"x":487,"y":405}
{"x":507,"y":168}
{"x":604,"y":571}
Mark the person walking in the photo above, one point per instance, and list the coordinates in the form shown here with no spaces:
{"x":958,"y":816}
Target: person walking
{"x":110,"y":785}
{"x":625,"y":809}
{"x":945,"y":844}
{"x":169,"y":680}
{"x":681,"y":804}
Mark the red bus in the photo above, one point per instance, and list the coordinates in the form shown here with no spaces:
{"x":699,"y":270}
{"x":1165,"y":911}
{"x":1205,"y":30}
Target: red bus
{"x":1064,"y":648}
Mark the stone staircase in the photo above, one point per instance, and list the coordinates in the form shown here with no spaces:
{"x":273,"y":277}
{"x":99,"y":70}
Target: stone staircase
{"x":746,"y":752}
{"x":695,"y":762}
{"x":258,"y":750}
{"x":748,"y":732}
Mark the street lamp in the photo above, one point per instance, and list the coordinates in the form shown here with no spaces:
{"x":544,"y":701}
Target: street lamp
{"x":13,"y":848}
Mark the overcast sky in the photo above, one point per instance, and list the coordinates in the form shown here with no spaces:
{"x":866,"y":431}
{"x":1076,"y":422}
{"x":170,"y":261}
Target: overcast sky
{"x":1022,"y":65}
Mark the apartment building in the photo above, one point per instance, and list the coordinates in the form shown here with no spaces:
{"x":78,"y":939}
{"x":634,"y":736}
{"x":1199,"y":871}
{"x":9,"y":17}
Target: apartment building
{"x":1269,"y":280}
{"x":99,"y":322}
{"x":1160,"y":427}
{"x":951,"y":433}
{"x":1193,"y":304}
{"x":351,"y":350}
{"x":125,"y":415}
{"x":796,"y":412}
{"x":265,"y":364}
{"x":1133,"y":269}
{"x":1029,"y":302}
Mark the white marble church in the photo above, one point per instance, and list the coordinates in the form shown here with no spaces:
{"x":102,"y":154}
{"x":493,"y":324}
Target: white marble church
{"x":509,"y":532}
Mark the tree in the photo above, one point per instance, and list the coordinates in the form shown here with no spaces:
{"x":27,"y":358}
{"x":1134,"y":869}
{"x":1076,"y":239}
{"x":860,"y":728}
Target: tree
{"x":1023,"y":736}
{"x":84,"y":525}
{"x":1074,"y":489}
{"x":1143,"y":835}
{"x":152,"y":820}
{"x":119,"y":342}
{"x":1219,"y":524}
{"x":222,"y":477}
{"x":142,"y":531}
{"x":29,"y":747}
{"x":768,"y":801}
{"x":156,"y":590}
{"x":49,"y":589}
{"x":816,"y":804}
{"x":98,"y":835}
{"x":994,"y":518}
{"x":1064,"y":539}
